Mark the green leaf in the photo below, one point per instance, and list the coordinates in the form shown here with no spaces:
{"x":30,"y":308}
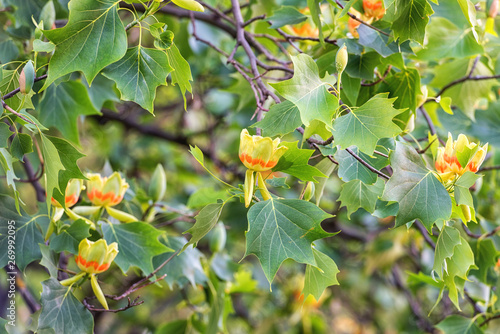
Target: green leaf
{"x":308,"y":92}
{"x":204,"y":196}
{"x":411,"y":17}
{"x":283,"y":229}
{"x":181,"y":74}
{"x":101,"y":91}
{"x":467,"y":94}
{"x":281,"y":119}
{"x":183,"y":268}
{"x":419,"y":193}
{"x":93,"y":38}
{"x":62,"y":104}
{"x":6,"y":161}
{"x":69,"y":239}
{"x":404,"y":85}
{"x":485,"y":257}
{"x":452,"y":261}
{"x":5,"y":133}
{"x":457,"y":324}
{"x":286,"y":15}
{"x":461,"y":189}
{"x":355,"y":194}
{"x":278,"y":182}
{"x":445,"y":39}
{"x":362,"y":66}
{"x":318,"y":278}
{"x":295,"y":162}
{"x":351,"y":169}
{"x":27,"y":234}
{"x":9,"y":82}
{"x":21,"y":144}
{"x":379,"y":42}
{"x":58,"y":306}
{"x":350,"y":89}
{"x":206,"y":219}
{"x":138,"y":74}
{"x":68,"y":156}
{"x":313,"y":5}
{"x":137,"y":245}
{"x":445,"y":247}
{"x":41,"y":46}
{"x":367,"y":124}
{"x":177,"y":326}
{"x":49,"y":260}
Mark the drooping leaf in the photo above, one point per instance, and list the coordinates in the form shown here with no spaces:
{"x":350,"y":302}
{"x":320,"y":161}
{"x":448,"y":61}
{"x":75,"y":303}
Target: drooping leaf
{"x":355,"y":194}
{"x":21,"y":144}
{"x":419,"y":193}
{"x":137,"y":245}
{"x":280,"y":120}
{"x":325,"y":166}
{"x":283,"y":229}
{"x":286,"y":15}
{"x":6,"y":161}
{"x":62,"y":104}
{"x":205,"y":221}
{"x":49,"y":260}
{"x":295,"y":162}
{"x":204,"y":196}
{"x":362,"y":66}
{"x":379,"y":42}
{"x":181,"y":74}
{"x":367,"y":124}
{"x":5,"y":133}
{"x":69,"y":239}
{"x":308,"y":92}
{"x":317,"y":280}
{"x":101,"y":91}
{"x":93,"y":38}
{"x":351,"y":169}
{"x":27,"y":234}
{"x":138,"y":74}
{"x":183,"y":268}
{"x":58,"y":305}
{"x":485,"y":257}
{"x":447,"y":240}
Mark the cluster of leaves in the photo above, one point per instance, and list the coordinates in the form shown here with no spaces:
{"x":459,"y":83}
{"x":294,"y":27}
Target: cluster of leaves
{"x":365,"y":132}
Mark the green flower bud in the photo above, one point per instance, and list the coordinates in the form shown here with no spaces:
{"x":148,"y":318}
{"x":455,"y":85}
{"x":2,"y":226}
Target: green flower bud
{"x":218,"y":238}
{"x":341,"y":59}
{"x":189,"y":5}
{"x":158,"y":185}
{"x":27,"y":78}
{"x":309,"y":191}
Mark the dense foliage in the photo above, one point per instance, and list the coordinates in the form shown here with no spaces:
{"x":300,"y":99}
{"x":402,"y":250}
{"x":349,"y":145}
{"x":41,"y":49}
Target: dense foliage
{"x":332,"y":166}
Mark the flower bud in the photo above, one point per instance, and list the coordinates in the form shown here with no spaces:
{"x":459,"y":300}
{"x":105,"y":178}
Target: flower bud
{"x":466,"y":212}
{"x":421,"y":98}
{"x":158,"y":185}
{"x":218,"y":238}
{"x":104,"y":191}
{"x":374,"y":8}
{"x":494,"y":8}
{"x":72,"y":193}
{"x":189,"y":5}
{"x":341,"y":59}
{"x":95,"y":257}
{"x":309,"y":191}
{"x":259,"y":153}
{"x":27,"y":78}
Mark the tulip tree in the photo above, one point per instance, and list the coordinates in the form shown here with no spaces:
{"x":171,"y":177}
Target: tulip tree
{"x":250,"y":166}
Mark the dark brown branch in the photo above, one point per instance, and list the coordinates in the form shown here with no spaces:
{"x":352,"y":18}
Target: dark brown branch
{"x":17,"y":90}
{"x":380,"y":79}
{"x":487,"y":168}
{"x":354,"y":17}
{"x":367,"y":165}
{"x":425,"y":234}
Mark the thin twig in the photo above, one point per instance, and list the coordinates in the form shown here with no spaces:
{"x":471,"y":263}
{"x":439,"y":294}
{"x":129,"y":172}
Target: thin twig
{"x":354,"y":17}
{"x":367,"y":165}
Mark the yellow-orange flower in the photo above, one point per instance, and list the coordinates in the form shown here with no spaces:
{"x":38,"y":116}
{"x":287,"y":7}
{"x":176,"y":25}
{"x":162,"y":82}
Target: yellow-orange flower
{"x":305,"y":29}
{"x":71,"y":195}
{"x":353,"y":27}
{"x":104,"y":191}
{"x":95,"y":257}
{"x":259,"y":153}
{"x":374,"y":8}
{"x":449,"y":159}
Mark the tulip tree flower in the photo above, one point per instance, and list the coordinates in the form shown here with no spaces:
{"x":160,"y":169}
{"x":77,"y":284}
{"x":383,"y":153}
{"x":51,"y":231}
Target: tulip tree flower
{"x":374,"y":8}
{"x":93,"y":258}
{"x":258,"y":154}
{"x":105,"y":192}
{"x":454,"y":160}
